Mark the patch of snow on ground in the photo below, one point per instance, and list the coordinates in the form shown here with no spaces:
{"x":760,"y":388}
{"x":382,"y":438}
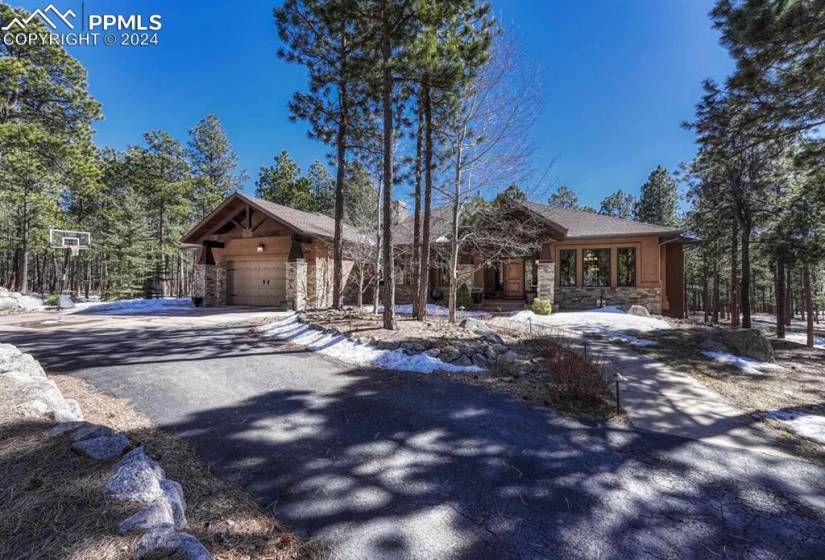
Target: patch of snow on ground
{"x":747,"y":365}
{"x":346,"y":350}
{"x":433,"y":310}
{"x":127,"y":306}
{"x":608,"y":322}
{"x":811,"y":426}
{"x":801,"y":338}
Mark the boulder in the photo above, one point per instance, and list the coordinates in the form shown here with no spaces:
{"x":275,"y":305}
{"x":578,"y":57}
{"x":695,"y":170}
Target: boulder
{"x":192,"y":549}
{"x":480,"y":361}
{"x":33,"y":407}
{"x":154,"y":516}
{"x":173,"y":496}
{"x":490,"y":353}
{"x":102,"y":448}
{"x":158,"y":543}
{"x":449,"y":354}
{"x":433,"y":352}
{"x":8,"y":303}
{"x":64,"y":428}
{"x":24,"y":364}
{"x":89,"y":431}
{"x":135,"y":480}
{"x":463,"y":360}
{"x":507,"y":357}
{"x":639,"y":310}
{"x":476,"y":326}
{"x":65,"y":302}
{"x":139,"y":454}
{"x":388,"y":344}
{"x":747,"y":342}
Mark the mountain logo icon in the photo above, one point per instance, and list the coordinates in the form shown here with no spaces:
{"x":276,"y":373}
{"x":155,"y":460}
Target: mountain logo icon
{"x":44,"y":16}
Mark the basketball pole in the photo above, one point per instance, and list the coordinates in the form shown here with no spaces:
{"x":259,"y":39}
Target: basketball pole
{"x":65,"y":270}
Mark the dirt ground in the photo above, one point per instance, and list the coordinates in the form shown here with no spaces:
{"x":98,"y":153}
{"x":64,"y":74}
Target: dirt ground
{"x":54,"y":506}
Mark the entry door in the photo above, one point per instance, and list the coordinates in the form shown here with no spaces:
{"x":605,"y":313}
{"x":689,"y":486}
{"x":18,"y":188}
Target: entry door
{"x":256,"y":282}
{"x":514,"y":278}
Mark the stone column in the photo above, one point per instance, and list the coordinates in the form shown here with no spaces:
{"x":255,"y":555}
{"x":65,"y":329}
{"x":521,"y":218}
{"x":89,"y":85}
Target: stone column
{"x":296,"y":285}
{"x":210,"y":284}
{"x":546,"y":280}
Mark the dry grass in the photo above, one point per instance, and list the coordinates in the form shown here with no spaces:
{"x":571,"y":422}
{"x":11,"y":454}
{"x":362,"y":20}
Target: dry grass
{"x":53,"y":505}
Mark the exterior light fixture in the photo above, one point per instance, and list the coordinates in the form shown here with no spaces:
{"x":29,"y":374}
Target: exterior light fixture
{"x":260,"y":247}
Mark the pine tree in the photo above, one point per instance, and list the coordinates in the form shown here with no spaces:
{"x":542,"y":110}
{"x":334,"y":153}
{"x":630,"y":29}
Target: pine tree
{"x":564,"y":198}
{"x":659,"y":198}
{"x":322,"y":188}
{"x":282,"y":184}
{"x":214,"y":165}
{"x":619,"y":205}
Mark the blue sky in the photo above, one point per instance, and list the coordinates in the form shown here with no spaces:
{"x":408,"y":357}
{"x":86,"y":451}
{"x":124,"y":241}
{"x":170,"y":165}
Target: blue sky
{"x":619,"y":76}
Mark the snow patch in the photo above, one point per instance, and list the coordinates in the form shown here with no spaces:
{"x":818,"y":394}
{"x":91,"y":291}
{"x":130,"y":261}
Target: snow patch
{"x":136,"y":306}
{"x":347,"y":350}
{"x":608,"y":322}
{"x":811,"y":426}
{"x":802,"y":339}
{"x":434,"y":310}
{"x":747,"y":365}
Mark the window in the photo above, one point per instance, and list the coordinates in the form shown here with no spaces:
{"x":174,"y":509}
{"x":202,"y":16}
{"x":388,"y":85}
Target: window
{"x":567,"y":268}
{"x":626,"y":267}
{"x":596,"y":268}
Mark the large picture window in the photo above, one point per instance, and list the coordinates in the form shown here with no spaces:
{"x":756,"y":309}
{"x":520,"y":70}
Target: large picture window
{"x":567,"y":268}
{"x":596,"y":268}
{"x":626,"y":267}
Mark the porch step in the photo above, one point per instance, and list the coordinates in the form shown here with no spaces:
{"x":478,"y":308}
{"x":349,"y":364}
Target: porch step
{"x":502,"y":305}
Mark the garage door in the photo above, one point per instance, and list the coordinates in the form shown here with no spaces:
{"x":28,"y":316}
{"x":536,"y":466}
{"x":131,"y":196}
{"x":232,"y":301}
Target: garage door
{"x":258,"y":282}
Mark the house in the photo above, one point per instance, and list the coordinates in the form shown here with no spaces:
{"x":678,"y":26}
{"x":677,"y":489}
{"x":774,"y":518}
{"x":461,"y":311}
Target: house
{"x":254,"y":252}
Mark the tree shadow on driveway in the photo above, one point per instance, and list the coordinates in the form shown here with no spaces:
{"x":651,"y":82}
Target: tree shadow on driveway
{"x":406,"y":466}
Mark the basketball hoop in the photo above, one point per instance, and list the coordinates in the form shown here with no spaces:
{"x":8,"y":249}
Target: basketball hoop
{"x":72,"y":242}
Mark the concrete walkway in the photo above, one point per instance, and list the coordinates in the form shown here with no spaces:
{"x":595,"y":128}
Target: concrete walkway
{"x":658,"y":398}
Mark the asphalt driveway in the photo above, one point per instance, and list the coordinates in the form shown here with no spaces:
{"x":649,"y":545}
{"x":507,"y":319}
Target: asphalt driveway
{"x":389,"y":465}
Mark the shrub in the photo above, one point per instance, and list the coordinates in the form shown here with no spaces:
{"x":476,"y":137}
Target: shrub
{"x":462,"y":298}
{"x":542,"y":306}
{"x":575,"y":376}
{"x":51,"y":299}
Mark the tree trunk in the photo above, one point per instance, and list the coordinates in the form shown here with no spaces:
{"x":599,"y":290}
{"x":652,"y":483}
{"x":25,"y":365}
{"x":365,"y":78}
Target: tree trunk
{"x":789,"y":310}
{"x":780,"y":299}
{"x":705,"y":289}
{"x":416,"y":255}
{"x":424,"y":272}
{"x":809,"y":303}
{"x":341,"y":161}
{"x":386,"y":242}
{"x":734,"y":246}
{"x":360,"y":286}
{"x":745,"y":286}
{"x":456,"y":205}
{"x":715,"y":318}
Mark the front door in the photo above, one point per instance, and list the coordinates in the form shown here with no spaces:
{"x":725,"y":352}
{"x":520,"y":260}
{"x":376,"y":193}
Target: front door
{"x":514,"y":278}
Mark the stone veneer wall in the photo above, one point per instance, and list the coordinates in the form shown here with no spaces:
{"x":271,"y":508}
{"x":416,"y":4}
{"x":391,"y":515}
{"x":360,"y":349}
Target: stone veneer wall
{"x":574,"y":299}
{"x":210,"y":284}
{"x":296,"y":285}
{"x":546,"y":278}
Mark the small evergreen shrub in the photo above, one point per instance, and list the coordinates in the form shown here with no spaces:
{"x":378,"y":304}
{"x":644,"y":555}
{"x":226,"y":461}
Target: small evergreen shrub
{"x":542,"y":306}
{"x":51,"y":300}
{"x":463,"y":298}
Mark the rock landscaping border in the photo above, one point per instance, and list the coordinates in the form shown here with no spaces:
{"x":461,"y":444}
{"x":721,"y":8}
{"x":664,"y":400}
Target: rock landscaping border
{"x":135,"y":478}
{"x":468,"y":343}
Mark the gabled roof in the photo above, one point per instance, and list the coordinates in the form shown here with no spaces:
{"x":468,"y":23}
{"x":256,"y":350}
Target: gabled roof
{"x":310,"y":224}
{"x":579,"y":223}
{"x":570,"y":224}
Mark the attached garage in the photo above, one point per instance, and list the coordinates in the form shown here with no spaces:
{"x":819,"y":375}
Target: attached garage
{"x":250,"y":251}
{"x":256,"y":282}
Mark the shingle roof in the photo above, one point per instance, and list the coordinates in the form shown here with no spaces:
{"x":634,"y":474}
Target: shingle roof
{"x":306,"y":223}
{"x":579,"y":223}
